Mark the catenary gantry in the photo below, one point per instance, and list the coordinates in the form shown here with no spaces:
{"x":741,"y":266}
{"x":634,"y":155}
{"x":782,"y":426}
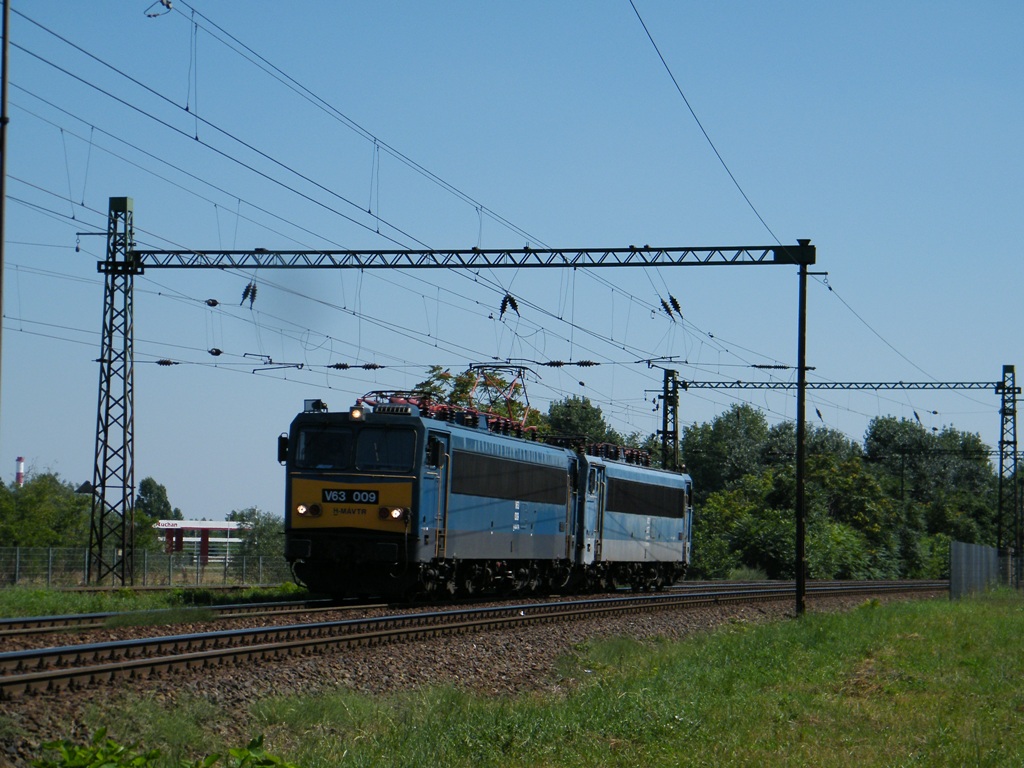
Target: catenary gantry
{"x":113,"y":486}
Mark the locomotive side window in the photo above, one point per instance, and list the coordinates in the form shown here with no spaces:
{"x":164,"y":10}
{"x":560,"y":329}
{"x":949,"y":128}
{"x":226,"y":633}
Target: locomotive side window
{"x":592,"y":481}
{"x":478,"y":475}
{"x":636,"y":498}
{"x":324,"y":448}
{"x":388,"y":450}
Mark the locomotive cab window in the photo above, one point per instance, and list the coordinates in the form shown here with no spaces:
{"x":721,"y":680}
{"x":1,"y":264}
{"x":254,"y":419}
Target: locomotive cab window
{"x":385,"y":450}
{"x":324,"y":448}
{"x":435,"y":452}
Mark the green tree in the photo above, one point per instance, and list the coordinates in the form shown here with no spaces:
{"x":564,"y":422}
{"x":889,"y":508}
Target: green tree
{"x":965,"y":488}
{"x":650,"y":443}
{"x":152,"y":501}
{"x":845,"y":509}
{"x":899,"y":450}
{"x":44,"y":512}
{"x":884,"y":510}
{"x":715,"y":527}
{"x":780,"y":444}
{"x":443,"y":386}
{"x":262,"y":532}
{"x":481,"y":390}
{"x":836,"y":551}
{"x":578,"y":417}
{"x":151,"y":505}
{"x":944,"y":482}
{"x":721,"y":453}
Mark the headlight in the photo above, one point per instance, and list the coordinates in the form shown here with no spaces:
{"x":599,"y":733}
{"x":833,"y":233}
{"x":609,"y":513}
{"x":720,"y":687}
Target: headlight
{"x":393,"y":513}
{"x":308,"y":510}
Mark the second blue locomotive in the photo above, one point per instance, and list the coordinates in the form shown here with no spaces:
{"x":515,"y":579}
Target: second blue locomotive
{"x":401,"y":498}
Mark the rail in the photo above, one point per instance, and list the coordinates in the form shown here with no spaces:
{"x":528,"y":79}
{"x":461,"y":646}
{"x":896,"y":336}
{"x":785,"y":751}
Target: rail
{"x":93,"y":663}
{"x":81,"y":622}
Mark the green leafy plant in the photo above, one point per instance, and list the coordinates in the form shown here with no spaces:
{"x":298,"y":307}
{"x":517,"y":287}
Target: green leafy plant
{"x":107,"y":753}
{"x":250,"y":756}
{"x":101,"y":753}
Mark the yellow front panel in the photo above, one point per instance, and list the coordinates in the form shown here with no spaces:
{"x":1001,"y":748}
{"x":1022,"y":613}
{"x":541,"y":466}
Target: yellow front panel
{"x":351,"y":505}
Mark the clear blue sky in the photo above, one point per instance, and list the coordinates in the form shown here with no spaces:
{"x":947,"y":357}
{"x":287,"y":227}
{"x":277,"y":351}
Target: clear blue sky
{"x":888,"y":133}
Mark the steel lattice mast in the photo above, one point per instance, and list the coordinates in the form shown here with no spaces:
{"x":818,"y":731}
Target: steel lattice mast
{"x":114,"y":492}
{"x":112,"y":529}
{"x":1008,"y":480}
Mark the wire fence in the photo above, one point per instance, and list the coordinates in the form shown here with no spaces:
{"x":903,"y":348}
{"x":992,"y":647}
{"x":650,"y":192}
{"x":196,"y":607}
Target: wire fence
{"x":975,"y":568}
{"x":68,"y":567}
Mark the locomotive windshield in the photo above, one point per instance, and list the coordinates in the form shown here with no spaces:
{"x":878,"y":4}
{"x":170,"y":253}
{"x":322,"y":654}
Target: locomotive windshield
{"x":367,"y":449}
{"x":387,"y":450}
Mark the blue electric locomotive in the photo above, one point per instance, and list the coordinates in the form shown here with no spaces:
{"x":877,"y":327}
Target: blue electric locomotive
{"x":403,"y":498}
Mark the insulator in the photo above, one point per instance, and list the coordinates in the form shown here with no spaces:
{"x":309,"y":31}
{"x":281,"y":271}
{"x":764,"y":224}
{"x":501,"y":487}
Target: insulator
{"x":587,"y":363}
{"x":212,"y":303}
{"x":508,"y":302}
{"x":165,"y":361}
{"x":215,"y":352}
{"x":554,"y":364}
{"x":675,"y":305}
{"x":371,"y":366}
{"x":339,"y":366}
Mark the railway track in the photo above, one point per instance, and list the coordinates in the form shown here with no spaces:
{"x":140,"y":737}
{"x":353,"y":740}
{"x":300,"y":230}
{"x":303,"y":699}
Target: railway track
{"x":83,"y":622}
{"x":93,"y":663}
{"x":31,"y":626}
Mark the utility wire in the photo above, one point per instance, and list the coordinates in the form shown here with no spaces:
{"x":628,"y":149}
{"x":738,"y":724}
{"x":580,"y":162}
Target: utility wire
{"x":572,"y":325}
{"x":867,"y":325}
{"x":498,"y":286}
{"x":700,"y":125}
{"x":365,"y":133}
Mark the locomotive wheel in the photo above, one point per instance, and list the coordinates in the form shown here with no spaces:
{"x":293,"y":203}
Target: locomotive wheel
{"x":561,"y":577}
{"x":527,"y":580}
{"x":471,"y":580}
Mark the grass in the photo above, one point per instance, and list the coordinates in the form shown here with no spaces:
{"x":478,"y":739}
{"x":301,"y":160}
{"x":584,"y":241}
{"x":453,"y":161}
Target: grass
{"x":18,"y":601}
{"x":914,"y":683}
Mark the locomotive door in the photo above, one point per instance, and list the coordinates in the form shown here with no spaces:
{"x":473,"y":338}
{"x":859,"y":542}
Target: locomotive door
{"x":593,"y":513}
{"x":572,"y":509}
{"x":434,"y":494}
{"x":687,"y":522}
